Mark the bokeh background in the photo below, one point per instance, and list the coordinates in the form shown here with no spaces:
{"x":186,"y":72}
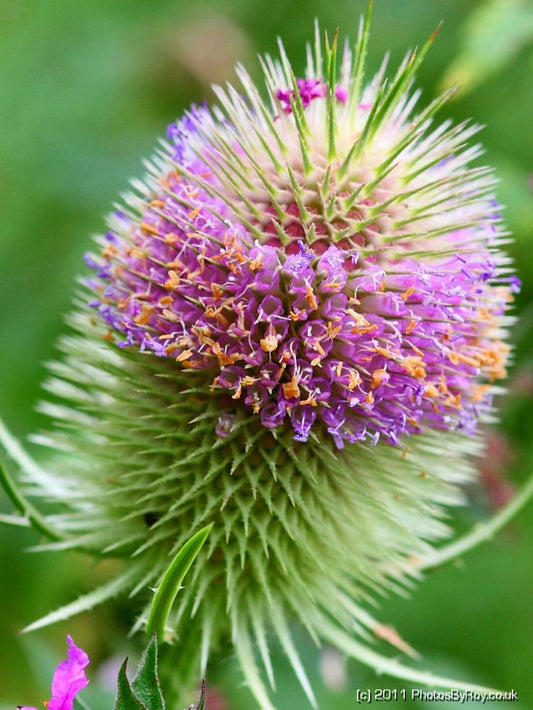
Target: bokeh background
{"x":85,"y":88}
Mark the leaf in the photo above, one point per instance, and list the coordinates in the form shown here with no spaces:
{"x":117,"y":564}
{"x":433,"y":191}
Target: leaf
{"x":493,"y":35}
{"x":87,"y":601}
{"x":171,"y":582}
{"x":146,"y":683}
{"x":126,"y":700}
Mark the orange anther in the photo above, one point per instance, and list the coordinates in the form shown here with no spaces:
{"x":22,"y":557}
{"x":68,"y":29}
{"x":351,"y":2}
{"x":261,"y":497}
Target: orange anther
{"x":173,"y":280}
{"x":358,"y":317}
{"x":143,"y":317}
{"x":410,"y":327}
{"x":149,"y":228}
{"x":217,"y":290}
{"x":383,"y":351}
{"x":185,"y":355}
{"x":453,"y":400}
{"x":310,"y":297}
{"x":377,"y":377}
{"x":430,"y":390}
{"x":269,"y":343}
{"x":333,"y":331}
{"x":291,"y":389}
{"x":354,"y":378}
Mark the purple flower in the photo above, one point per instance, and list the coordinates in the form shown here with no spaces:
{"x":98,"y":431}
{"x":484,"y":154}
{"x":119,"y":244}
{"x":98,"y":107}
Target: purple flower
{"x":69,"y":678}
{"x":371,"y":319}
{"x":308,"y":89}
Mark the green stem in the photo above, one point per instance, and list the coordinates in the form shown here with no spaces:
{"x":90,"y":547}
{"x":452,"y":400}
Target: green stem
{"x":480,"y":533}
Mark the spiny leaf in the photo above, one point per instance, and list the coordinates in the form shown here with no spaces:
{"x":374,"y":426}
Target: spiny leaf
{"x":171,"y":582}
{"x":126,"y":700}
{"x":120,"y":584}
{"x":146,"y":683}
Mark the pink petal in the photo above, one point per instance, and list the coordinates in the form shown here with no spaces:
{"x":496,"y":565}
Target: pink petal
{"x":69,"y":678}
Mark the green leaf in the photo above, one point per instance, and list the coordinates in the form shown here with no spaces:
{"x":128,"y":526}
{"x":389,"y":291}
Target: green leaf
{"x":111,"y":589}
{"x":171,"y":582}
{"x":146,"y":683}
{"x":126,"y":700}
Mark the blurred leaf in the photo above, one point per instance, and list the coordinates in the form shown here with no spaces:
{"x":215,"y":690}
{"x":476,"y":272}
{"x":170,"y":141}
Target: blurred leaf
{"x":146,"y":683}
{"x":493,"y":34}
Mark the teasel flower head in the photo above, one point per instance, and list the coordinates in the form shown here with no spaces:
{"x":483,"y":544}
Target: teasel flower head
{"x":295,"y":324}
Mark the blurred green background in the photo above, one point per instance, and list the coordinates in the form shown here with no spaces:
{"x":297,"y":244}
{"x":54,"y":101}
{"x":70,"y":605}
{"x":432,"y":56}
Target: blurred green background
{"x":85,"y":87}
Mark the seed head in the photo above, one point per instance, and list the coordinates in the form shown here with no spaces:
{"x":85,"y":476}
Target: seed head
{"x":295,"y":326}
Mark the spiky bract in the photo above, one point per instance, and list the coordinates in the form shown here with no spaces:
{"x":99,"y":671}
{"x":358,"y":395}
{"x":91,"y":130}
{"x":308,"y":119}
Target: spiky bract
{"x":300,"y":529}
{"x":292,"y":277}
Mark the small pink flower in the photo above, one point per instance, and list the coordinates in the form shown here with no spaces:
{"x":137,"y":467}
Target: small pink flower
{"x":69,"y":678}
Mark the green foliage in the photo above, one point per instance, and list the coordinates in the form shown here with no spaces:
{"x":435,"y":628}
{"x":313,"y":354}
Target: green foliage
{"x":146,"y":683}
{"x":495,"y":32}
{"x":126,"y":699}
{"x":145,"y":693}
